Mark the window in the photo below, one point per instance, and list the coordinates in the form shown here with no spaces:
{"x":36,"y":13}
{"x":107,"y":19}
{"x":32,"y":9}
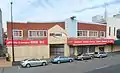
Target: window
{"x":82,"y":33}
{"x":37,"y":33}
{"x":118,"y":34}
{"x":102,"y":34}
{"x":93,"y":33}
{"x":17,"y":33}
{"x":109,"y":31}
{"x":114,"y":30}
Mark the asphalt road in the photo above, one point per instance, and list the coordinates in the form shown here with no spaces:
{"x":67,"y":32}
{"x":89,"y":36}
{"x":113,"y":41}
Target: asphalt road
{"x":111,"y":69}
{"x":75,"y":67}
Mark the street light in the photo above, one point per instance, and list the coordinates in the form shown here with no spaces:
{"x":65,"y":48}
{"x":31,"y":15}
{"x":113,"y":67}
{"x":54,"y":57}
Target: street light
{"x":12,"y":33}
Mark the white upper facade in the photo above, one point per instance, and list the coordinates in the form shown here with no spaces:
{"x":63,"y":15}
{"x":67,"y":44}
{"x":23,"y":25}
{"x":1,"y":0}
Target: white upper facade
{"x":113,"y":24}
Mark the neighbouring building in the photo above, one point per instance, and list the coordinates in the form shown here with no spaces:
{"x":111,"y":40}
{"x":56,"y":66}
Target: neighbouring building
{"x":45,"y":40}
{"x":113,"y":31}
{"x":1,"y":28}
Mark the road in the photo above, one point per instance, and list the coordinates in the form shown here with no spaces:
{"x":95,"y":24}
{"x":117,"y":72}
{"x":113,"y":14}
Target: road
{"x":89,"y":66}
{"x":111,"y":69}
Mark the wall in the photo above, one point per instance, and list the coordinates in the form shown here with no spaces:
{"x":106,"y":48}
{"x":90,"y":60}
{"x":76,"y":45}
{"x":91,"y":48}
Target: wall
{"x":108,"y":48}
{"x":59,"y":39}
{"x":112,"y":22}
{"x":23,"y":52}
{"x":71,"y":27}
{"x":116,"y":48}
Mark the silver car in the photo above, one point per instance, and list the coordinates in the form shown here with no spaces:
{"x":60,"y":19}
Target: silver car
{"x":33,"y":62}
{"x":100,"y":55}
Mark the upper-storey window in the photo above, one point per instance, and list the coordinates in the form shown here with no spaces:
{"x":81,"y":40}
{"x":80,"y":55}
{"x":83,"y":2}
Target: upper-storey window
{"x":17,"y":33}
{"x":37,"y":33}
{"x":102,"y":33}
{"x":93,"y":33}
{"x":82,"y":33}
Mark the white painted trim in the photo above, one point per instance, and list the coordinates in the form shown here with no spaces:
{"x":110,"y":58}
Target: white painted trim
{"x":36,"y":36}
{"x":93,"y":31}
{"x":17,"y":30}
{"x":83,"y":30}
{"x":100,"y":34}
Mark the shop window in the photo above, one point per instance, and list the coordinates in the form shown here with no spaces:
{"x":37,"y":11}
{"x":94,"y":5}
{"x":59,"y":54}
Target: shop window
{"x":109,"y":31}
{"x":118,"y":33}
{"x":37,"y":33}
{"x":93,"y":33}
{"x":114,"y":31}
{"x":102,"y":34}
{"x":17,"y":33}
{"x":82,"y":33}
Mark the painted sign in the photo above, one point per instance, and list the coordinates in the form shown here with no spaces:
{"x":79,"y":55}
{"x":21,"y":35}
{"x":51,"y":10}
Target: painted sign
{"x":27,"y":42}
{"x":90,"y":42}
{"x":58,"y":34}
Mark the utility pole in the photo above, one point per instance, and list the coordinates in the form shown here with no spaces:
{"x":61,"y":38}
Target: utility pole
{"x":105,"y":13}
{"x":13,"y":56}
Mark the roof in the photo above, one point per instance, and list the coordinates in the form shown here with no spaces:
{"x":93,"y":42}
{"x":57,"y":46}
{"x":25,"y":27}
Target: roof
{"x":42,"y":26}
{"x":84,"y":22}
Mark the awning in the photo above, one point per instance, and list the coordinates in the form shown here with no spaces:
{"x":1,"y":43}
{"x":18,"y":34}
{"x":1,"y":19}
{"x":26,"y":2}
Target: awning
{"x":90,"y":41}
{"x":117,"y":42}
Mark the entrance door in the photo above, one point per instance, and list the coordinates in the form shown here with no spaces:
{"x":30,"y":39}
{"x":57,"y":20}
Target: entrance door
{"x":101,"y":49}
{"x":56,"y":50}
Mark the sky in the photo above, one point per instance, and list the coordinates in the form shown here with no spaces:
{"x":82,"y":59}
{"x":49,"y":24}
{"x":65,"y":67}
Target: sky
{"x":55,"y":10}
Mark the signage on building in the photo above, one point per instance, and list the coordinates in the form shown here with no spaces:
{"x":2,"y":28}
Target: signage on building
{"x":91,"y":42}
{"x":58,"y":34}
{"x":27,"y":42}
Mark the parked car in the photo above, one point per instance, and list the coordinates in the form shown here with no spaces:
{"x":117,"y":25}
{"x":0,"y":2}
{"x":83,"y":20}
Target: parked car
{"x":61,"y":59}
{"x":100,"y":54}
{"x":33,"y":62}
{"x":83,"y":57}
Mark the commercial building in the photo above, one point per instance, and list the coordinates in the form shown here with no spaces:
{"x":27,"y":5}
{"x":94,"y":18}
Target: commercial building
{"x":68,"y":38}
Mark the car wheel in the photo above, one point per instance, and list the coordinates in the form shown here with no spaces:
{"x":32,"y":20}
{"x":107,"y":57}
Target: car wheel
{"x":28,"y":66}
{"x":58,"y":62}
{"x":91,"y":57}
{"x":43,"y":64}
{"x":82,"y":59}
{"x":70,"y":60}
{"x":100,"y":56}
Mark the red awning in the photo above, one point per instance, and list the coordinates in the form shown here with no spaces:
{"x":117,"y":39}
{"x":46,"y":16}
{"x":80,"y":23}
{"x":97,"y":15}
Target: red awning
{"x":89,"y":41}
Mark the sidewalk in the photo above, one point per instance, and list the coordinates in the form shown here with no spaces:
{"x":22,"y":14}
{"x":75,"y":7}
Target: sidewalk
{"x":4,"y":63}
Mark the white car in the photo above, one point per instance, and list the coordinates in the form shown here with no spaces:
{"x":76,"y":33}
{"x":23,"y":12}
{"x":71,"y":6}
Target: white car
{"x":100,"y":55}
{"x":33,"y":62}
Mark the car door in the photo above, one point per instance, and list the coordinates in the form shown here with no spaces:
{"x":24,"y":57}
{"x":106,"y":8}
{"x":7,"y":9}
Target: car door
{"x":38,"y":62}
{"x":33,"y":62}
{"x":62,"y":59}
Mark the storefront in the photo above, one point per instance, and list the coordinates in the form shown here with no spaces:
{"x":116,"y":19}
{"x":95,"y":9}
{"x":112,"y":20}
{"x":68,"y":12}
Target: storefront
{"x":78,"y":46}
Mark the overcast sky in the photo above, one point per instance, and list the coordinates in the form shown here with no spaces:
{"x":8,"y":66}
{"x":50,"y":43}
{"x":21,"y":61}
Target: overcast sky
{"x":54,"y":10}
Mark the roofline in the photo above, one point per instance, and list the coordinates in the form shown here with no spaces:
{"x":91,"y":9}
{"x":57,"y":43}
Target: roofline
{"x":91,"y":23}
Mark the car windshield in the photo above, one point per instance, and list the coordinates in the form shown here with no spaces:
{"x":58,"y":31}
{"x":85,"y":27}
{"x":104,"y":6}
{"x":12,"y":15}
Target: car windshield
{"x":102,"y":53}
{"x":24,"y":59}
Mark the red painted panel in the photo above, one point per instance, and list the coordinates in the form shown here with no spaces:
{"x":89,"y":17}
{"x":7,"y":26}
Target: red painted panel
{"x":90,"y":42}
{"x":27,"y":42}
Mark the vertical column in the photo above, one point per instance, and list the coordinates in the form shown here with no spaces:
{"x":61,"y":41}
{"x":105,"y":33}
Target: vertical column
{"x":76,"y":52}
{"x":66,"y":50}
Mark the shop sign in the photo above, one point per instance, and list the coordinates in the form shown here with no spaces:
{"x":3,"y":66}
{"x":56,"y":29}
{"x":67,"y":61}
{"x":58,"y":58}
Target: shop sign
{"x":95,"y":41}
{"x":58,"y":34}
{"x":27,"y":42}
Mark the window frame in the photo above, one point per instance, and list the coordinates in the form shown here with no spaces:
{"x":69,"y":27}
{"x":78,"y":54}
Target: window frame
{"x":82,"y":33}
{"x":13,"y":31}
{"x":103,"y":32}
{"x":93,"y":32}
{"x":36,"y":36}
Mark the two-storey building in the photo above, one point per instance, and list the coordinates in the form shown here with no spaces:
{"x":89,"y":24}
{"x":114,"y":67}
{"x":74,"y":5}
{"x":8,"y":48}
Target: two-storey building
{"x":45,"y":40}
